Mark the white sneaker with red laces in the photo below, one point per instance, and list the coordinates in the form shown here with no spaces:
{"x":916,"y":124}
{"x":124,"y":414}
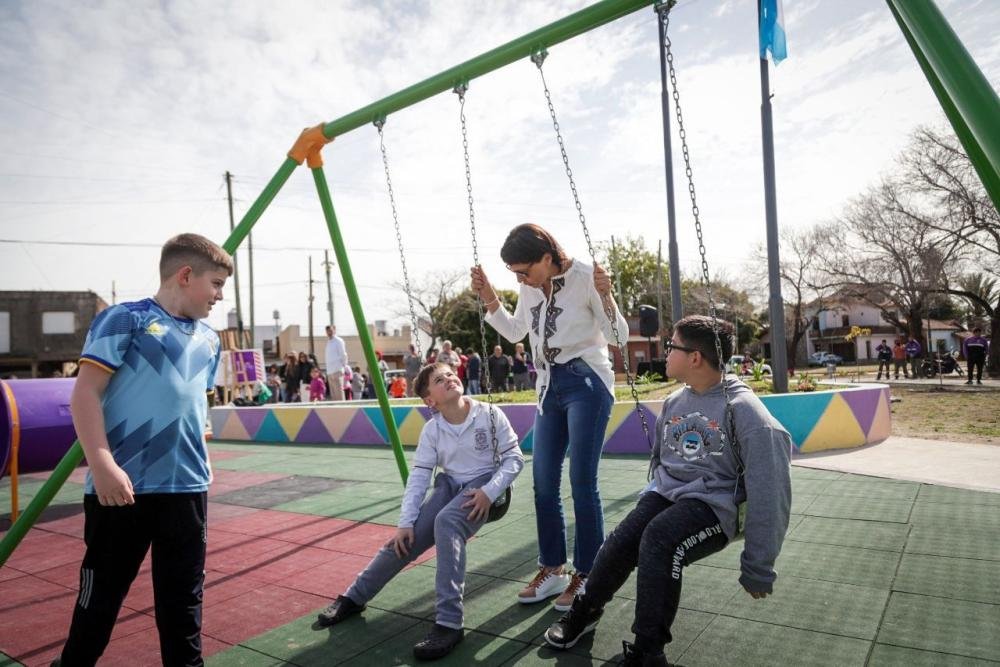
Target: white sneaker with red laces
{"x":548,"y":582}
{"x":577,"y":584}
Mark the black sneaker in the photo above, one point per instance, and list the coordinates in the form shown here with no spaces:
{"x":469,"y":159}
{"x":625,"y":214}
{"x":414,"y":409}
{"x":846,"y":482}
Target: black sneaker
{"x":341,"y":608}
{"x":636,"y":658}
{"x":573,"y":625}
{"x":438,"y":643}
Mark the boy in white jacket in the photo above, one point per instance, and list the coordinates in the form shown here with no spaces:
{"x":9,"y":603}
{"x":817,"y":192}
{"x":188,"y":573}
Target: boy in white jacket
{"x":458,"y":441}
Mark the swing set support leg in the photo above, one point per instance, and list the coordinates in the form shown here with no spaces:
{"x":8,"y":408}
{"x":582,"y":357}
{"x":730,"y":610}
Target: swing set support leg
{"x":359,"y":317}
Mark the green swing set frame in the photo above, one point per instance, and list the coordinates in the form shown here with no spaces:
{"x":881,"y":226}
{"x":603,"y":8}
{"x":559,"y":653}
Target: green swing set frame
{"x":968,"y":100}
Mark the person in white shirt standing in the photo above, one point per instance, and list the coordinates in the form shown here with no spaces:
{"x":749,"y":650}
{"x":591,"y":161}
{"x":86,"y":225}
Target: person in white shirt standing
{"x":336,"y":359}
{"x":563,"y":308}
{"x":457,"y":440}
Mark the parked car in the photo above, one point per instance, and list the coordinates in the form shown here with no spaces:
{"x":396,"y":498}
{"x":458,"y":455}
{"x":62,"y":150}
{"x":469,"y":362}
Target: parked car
{"x":824,"y":358}
{"x":744,"y":366}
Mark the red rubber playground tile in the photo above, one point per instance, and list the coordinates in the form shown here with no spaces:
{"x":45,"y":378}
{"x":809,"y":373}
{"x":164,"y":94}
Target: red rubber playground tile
{"x":330,"y":579}
{"x":287,"y":560}
{"x":264,"y":523}
{"x":41,"y":550}
{"x":226,"y":454}
{"x":222,"y":512}
{"x":267,"y":606}
{"x":71,"y":526}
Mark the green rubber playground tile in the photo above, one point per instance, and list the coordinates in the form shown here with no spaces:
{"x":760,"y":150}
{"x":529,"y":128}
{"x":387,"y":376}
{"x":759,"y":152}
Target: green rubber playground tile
{"x":494,"y":609}
{"x":821,"y":606}
{"x":303,"y":642}
{"x":827,"y":562}
{"x":872,"y":488}
{"x":497,"y":553}
{"x":809,"y":487}
{"x":728,"y":558}
{"x":801,"y":472}
{"x":240,"y":656}
{"x":340,"y":503}
{"x":871,"y":509}
{"x":955,"y":578}
{"x":880,"y":535}
{"x":946,"y":494}
{"x":411,"y":592}
{"x":7,"y":661}
{"x":951,"y":515}
{"x":706,"y":589}
{"x":802,"y":501}
{"x":957,"y":541}
{"x":735,"y":641}
{"x":543,"y":656}
{"x":476,"y":648}
{"x":969,"y":629}
{"x":884,"y":655}
{"x":605,"y":643}
{"x":386,"y":514}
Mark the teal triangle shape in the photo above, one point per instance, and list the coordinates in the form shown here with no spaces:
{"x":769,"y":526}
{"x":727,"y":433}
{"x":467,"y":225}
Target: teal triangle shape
{"x":401,"y":413}
{"x":798,"y":412}
{"x":526,"y":442}
{"x":375,"y":417}
{"x":270,"y":430}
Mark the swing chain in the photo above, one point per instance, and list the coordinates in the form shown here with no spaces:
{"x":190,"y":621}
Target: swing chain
{"x":460,"y":90}
{"x":729,"y":417}
{"x":379,"y":124}
{"x":609,"y":309}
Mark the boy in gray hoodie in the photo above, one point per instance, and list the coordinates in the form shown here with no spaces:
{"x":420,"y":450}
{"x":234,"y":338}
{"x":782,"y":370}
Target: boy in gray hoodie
{"x":690,"y":508}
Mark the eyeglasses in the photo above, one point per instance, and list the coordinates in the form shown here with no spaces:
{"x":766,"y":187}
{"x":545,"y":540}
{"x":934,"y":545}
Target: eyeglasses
{"x":670,"y":345}
{"x":523,"y":273}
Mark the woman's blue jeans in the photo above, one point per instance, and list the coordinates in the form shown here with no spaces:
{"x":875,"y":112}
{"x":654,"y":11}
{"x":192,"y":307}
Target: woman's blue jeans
{"x":574,"y":417}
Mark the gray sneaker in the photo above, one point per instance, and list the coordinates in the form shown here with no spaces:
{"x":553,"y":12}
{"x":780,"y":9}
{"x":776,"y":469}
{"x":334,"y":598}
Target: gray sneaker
{"x":341,"y":608}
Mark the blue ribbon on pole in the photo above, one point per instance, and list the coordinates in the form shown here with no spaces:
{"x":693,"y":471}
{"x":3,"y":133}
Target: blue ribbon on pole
{"x":772,"y":30}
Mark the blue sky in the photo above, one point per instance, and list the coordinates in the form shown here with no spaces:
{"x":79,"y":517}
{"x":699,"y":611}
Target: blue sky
{"x":118,"y":120}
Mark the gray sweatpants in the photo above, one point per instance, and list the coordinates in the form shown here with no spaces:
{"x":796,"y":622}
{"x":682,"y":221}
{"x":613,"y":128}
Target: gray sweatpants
{"x":442,"y":523}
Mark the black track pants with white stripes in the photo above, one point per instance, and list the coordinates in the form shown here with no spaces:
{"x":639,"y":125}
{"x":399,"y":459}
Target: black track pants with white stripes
{"x":117,"y":539}
{"x":660,"y":538}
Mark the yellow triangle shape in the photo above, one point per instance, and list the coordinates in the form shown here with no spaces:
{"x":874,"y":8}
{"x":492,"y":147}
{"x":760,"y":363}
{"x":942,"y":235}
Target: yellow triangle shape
{"x":232,"y":429}
{"x":619,"y":413}
{"x":837,"y":428}
{"x":881,"y":426}
{"x":336,"y":418}
{"x":410,"y":428}
{"x":291,"y":419}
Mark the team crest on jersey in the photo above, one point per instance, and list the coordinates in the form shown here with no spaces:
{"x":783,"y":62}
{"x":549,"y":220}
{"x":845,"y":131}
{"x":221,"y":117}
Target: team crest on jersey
{"x":156,"y":329}
{"x":694,"y":436}
{"x":482,"y":440}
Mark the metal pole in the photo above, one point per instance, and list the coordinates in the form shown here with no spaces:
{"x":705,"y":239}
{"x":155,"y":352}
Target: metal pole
{"x":236,"y":268}
{"x":676,"y":307}
{"x":776,"y":305}
{"x":659,"y":291}
{"x":359,"y":319}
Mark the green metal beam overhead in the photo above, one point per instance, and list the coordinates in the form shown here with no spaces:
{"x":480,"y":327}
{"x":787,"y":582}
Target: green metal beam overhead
{"x":969,"y":101}
{"x":566,"y":28}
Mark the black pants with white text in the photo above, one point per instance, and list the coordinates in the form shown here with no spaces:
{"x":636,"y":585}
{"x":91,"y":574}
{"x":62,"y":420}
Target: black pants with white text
{"x":117,"y":539}
{"x":660,"y":537}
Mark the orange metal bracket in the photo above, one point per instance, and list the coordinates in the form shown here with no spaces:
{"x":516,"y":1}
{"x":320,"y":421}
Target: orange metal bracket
{"x":308,"y":146}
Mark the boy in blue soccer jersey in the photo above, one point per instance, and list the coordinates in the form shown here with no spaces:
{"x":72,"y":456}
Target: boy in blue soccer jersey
{"x":139,"y":410}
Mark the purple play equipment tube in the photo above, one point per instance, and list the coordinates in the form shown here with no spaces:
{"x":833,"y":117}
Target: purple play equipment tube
{"x":36,"y":412}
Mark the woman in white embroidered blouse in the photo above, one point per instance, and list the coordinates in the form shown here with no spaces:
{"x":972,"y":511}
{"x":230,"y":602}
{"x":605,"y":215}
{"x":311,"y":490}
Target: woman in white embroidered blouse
{"x":563,"y":307}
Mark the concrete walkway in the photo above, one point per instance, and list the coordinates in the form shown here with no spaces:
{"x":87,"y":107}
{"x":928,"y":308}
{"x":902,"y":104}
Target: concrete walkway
{"x":956,"y":464}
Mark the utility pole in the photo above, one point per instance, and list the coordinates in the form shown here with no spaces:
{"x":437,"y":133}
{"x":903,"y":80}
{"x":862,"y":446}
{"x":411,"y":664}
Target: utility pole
{"x":250,"y":258}
{"x":327,"y":264}
{"x":236,"y":271}
{"x":617,"y":270}
{"x":312,"y":344}
{"x":114,"y":294}
{"x":676,"y":312}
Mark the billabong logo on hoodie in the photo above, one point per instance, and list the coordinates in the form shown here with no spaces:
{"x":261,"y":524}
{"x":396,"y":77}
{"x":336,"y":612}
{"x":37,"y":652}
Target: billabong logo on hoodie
{"x":694,"y":436}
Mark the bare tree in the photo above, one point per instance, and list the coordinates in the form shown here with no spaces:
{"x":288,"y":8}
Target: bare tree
{"x":876,"y":253}
{"x":432,"y":294}
{"x":803,"y":283}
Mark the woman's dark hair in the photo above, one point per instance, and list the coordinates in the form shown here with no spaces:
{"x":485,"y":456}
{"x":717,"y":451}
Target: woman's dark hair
{"x":696,"y":331}
{"x":528,"y":243}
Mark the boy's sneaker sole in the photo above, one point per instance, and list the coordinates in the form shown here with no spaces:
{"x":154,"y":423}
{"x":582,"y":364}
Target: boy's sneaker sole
{"x":570,"y":644}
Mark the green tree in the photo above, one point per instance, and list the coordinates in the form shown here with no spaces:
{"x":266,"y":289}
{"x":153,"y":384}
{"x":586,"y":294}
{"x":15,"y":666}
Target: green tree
{"x":633,"y":270}
{"x":458,"y":321}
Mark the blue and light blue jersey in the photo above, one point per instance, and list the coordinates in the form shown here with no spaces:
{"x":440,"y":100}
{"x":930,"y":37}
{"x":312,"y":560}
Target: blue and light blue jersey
{"x":154,"y":405}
